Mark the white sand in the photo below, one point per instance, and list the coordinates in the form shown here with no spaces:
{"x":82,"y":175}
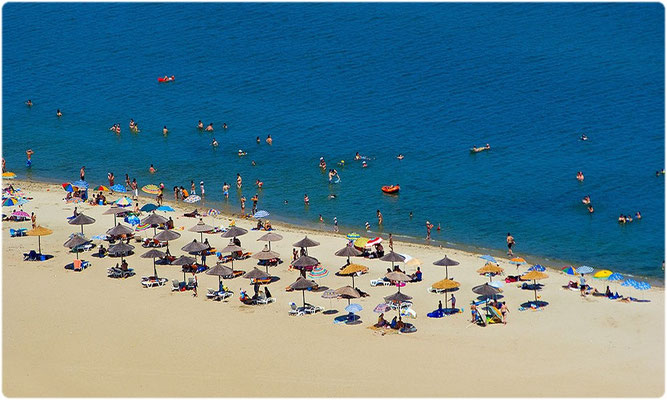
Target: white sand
{"x":82,"y":334}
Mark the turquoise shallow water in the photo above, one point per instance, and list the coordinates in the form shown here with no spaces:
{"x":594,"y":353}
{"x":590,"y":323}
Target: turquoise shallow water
{"x":426,"y":80}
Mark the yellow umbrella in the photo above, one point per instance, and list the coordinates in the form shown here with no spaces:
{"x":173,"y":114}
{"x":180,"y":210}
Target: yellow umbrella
{"x":102,"y":188}
{"x":534,"y":276}
{"x":361,"y":242}
{"x":39,"y":231}
{"x":414,"y":262}
{"x":150,"y":189}
{"x":490,"y":269}
{"x":604,"y":274}
{"x":352,"y":270}
{"x":8,"y":175}
{"x":445,"y":284}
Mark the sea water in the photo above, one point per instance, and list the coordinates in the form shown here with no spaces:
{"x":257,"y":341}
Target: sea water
{"x":329,"y":80}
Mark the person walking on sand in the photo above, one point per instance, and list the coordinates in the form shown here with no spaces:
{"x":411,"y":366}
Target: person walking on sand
{"x":28,"y":161}
{"x":33,"y":219}
{"x":510,"y":243}
{"x":504,"y":311}
{"x":379,"y":214}
{"x":429,"y":226}
{"x":82,"y":173}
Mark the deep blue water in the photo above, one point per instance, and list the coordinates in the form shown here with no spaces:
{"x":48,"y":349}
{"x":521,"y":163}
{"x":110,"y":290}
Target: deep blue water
{"x":426,"y":80}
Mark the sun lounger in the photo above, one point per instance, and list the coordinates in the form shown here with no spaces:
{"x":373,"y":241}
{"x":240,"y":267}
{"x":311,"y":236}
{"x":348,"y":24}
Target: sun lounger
{"x":260,"y":281}
{"x":380,"y":282}
{"x":438,"y":291}
{"x":219,"y":295}
{"x":175,"y":285}
{"x":408,"y":328}
{"x":151,"y":281}
{"x":311,"y":309}
{"x":263,"y":300}
{"x":294,"y":310}
{"x":120,"y":273}
{"x":17,"y":232}
{"x":78,"y":265}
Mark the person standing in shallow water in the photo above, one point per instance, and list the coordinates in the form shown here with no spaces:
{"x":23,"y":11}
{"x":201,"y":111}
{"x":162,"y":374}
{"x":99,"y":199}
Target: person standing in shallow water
{"x":510,"y":243}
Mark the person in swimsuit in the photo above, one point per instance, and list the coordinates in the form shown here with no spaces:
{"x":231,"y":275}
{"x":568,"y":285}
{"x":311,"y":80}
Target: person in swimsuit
{"x":590,"y":209}
{"x":3,"y":165}
{"x":224,"y":125}
{"x":239,"y":181}
{"x":152,"y":169}
{"x":368,"y":226}
{"x":400,"y":156}
{"x":214,"y":143}
{"x":335,"y":221}
{"x":29,"y":153}
{"x":209,"y":128}
{"x":379,"y":215}
{"x":111,"y":178}
{"x":165,"y":130}
{"x":201,"y":187}
{"x":28,"y":103}
{"x":259,"y":184}
{"x":357,"y":156}
{"x":192,"y":187}
{"x":243,"y":200}
{"x":510,"y":243}
{"x":269,"y":140}
{"x":323,"y":164}
{"x":257,"y":140}
{"x":200,"y":125}
{"x":58,"y":113}
{"x":306,"y":200}
{"x":429,"y":226}
{"x":504,"y":311}
{"x":82,"y":173}
{"x":580,"y":176}
{"x":225,"y":190}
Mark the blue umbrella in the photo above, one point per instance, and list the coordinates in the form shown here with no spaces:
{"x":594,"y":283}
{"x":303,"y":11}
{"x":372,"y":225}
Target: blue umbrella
{"x":537,"y":268}
{"x":642,"y":286}
{"x":80,"y":184}
{"x":615,"y":277}
{"x":585,"y":269}
{"x":261,"y":214}
{"x":149,"y":207}
{"x":629,"y":282}
{"x":353,"y":308}
{"x":488,"y":258}
{"x":118,"y":188}
{"x":165,"y":208}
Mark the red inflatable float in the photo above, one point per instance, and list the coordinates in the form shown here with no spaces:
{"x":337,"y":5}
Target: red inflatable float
{"x":165,"y":78}
{"x":391,"y":189}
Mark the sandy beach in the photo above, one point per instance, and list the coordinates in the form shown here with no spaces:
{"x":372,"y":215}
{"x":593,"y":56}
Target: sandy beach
{"x":83,"y":334}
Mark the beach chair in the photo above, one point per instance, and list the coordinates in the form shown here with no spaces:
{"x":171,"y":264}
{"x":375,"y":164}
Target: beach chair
{"x":191,"y":284}
{"x":260,"y":281}
{"x":380,"y":282}
{"x":151,"y":281}
{"x":175,"y":285}
{"x":294,"y":310}
{"x":438,"y":291}
{"x":408,"y":312}
{"x":17,"y":232}
{"x":31,"y":256}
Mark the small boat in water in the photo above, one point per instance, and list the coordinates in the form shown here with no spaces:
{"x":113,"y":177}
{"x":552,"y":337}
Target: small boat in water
{"x":391,"y":189}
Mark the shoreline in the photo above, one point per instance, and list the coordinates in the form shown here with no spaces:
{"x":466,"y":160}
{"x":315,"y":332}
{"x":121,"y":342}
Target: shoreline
{"x":306,"y":227}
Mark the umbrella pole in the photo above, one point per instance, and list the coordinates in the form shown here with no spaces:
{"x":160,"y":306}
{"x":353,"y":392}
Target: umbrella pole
{"x":39,"y":244}
{"x":82,"y":229}
{"x":303,"y":293}
{"x":535,"y":289}
{"x":114,"y":220}
{"x":352,"y":281}
{"x":154,"y":269}
{"x":269,"y":245}
{"x":201,"y":237}
{"x":446,"y":272}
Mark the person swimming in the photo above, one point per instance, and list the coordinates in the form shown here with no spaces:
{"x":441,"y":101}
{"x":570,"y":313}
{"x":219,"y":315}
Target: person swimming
{"x":58,"y":113}
{"x":259,"y":183}
{"x":253,"y":163}
{"x":209,"y":128}
{"x":638,"y":215}
{"x":200,"y":125}
{"x":224,"y":125}
{"x":400,"y":156}
{"x":590,"y":209}
{"x":580,"y":176}
{"x":269,"y":140}
{"x":152,"y":169}
{"x":165,"y":130}
{"x":306,"y":199}
{"x":242,"y":153}
{"x":586,"y":200}
{"x":357,"y":156}
{"x":363,"y":164}
{"x":323,"y":163}
{"x":28,"y":103}
{"x":257,"y":140}
{"x":583,"y":137}
{"x":332,"y":196}
{"x":214,"y":143}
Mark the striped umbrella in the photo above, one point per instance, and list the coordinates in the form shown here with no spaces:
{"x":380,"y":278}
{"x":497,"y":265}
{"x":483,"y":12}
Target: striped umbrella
{"x":142,"y":227}
{"x":374,"y":241}
{"x":118,"y":188}
{"x":488,"y":258}
{"x":518,"y":261}
{"x":353,"y":236}
{"x":615,"y":277}
{"x":584,"y":269}
{"x":569,"y":270}
{"x":318,"y":272}
{"x":213,"y":212}
{"x":10,"y":201}
{"x":150,"y":189}
{"x":192,"y":199}
{"x":101,"y":188}
{"x":68,"y":187}
{"x":537,"y":267}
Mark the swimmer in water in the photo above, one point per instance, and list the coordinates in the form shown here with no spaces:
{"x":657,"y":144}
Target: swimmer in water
{"x":621,"y":219}
{"x":364,"y":165}
{"x":225,"y":190}
{"x":580,"y":176}
{"x":165,"y":130}
{"x":58,"y":113}
{"x":152,"y":169}
{"x":28,"y":161}
{"x":400,"y":156}
{"x":332,"y":196}
{"x":28,"y":103}
{"x":259,"y":183}
{"x":586,"y":200}
{"x":214,"y":143}
{"x":242,"y":153}
{"x":323,"y":163}
{"x":200,"y":125}
{"x":209,"y":128}
{"x":583,"y":137}
{"x":253,"y":163}
{"x":306,"y":200}
{"x":368,"y":226}
{"x":269,"y":140}
{"x":357,"y":156}
{"x":590,"y":209}
{"x":224,"y":125}
{"x":239,"y":181}
{"x":257,"y":140}
{"x":638,"y":215}
{"x":321,"y":219}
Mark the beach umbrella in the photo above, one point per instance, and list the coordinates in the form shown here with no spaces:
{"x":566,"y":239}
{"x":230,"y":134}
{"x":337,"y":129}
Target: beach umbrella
{"x":76,"y":240}
{"x":569,"y":270}
{"x":10,"y":201}
{"x":256,"y":273}
{"x":446,"y":285}
{"x":192,"y":199}
{"x":352,"y":270}
{"x":212,"y":212}
{"x":353,"y":236}
{"x":413,"y":262}
{"x":201,"y":227}
{"x":447,"y":262}
{"x":318,"y":272}
{"x":602,"y":274}
{"x":231,"y":248}
{"x":537,"y":267}
{"x":303,"y":284}
{"x":115,"y":211}
{"x":119,"y":230}
{"x":585,"y":269}
{"x":490,"y":269}
{"x":121,"y":249}
{"x":360,"y":242}
{"x":153,"y":253}
{"x":67,"y":187}
{"x":154,"y":219}
{"x":149,"y":207}
{"x":82,"y":220}
{"x":487,"y":291}
{"x":353,"y":308}
{"x":80,"y":184}
{"x":348,"y":293}
{"x":261,"y":214}
{"x":220,"y":270}
{"x":234,"y":231}
{"x":195,"y":247}
{"x":184,"y":260}
{"x":330,"y":294}
{"x":39,"y":231}
{"x":615,"y":277}
{"x":497,"y":284}
{"x":305,"y":263}
{"x":488,"y":258}
{"x":118,"y":188}
{"x":21,"y":214}
{"x":348,"y":251}
{"x":8,"y":175}
{"x":270,"y":237}
{"x":266,"y":255}
{"x":306,"y":243}
{"x":101,"y":188}
{"x":167,"y":236}
{"x":150,"y":189}
{"x":397,"y":277}
{"x":165,"y":208}
{"x":381,"y":308}
{"x":123,"y":202}
{"x":534,"y":276}
{"x":398,"y":298}
{"x":518,"y":261}
{"x":393,"y":257}
{"x":374,"y":241}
